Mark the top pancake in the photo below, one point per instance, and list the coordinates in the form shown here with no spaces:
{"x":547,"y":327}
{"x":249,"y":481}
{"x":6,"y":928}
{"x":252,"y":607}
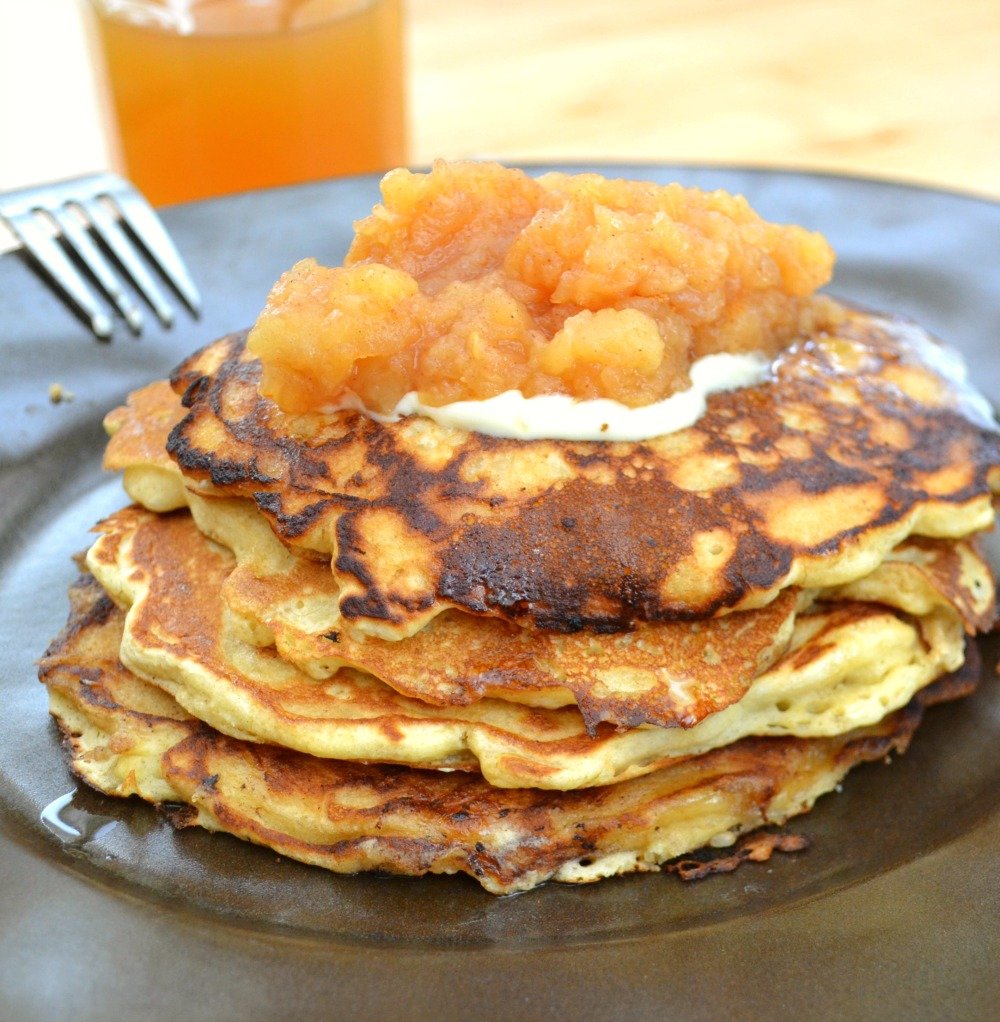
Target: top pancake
{"x":808,"y":479}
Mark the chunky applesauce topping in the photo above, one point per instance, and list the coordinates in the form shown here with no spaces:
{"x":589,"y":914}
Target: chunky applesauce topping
{"x":475,"y":279}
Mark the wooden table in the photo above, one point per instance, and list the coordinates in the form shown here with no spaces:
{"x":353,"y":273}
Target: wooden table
{"x":908,"y":89}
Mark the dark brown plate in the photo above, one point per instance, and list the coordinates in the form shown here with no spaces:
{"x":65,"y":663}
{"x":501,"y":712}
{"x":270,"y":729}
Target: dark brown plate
{"x":893,"y":910}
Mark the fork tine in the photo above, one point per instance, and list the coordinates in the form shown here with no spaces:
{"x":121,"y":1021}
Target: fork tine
{"x":115,"y":238}
{"x":128,"y":229}
{"x":65,"y":275}
{"x":147,"y":226}
{"x":94,"y":260}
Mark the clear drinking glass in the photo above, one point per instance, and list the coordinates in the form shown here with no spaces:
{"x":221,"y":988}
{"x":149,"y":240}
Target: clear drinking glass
{"x":219,"y":96}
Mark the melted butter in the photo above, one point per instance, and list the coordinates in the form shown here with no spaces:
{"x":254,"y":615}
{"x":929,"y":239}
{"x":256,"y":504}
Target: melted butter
{"x":70,"y":823}
{"x":561,"y":417}
{"x":952,"y":368}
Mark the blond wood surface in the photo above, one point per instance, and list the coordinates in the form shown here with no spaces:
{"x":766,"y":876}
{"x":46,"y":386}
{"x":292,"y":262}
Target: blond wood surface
{"x":908,"y":89}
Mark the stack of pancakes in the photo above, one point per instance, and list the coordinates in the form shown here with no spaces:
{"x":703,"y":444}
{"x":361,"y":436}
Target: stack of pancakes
{"x":406,"y":647}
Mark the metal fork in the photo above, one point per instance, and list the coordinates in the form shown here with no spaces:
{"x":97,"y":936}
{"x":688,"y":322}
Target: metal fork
{"x":95,"y":207}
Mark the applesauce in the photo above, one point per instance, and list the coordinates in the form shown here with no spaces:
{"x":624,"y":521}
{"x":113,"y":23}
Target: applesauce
{"x":476,"y":279}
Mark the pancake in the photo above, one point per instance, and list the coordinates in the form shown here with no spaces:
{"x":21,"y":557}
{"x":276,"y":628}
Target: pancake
{"x":371,"y":640}
{"x":846,"y":667}
{"x":670,"y":674}
{"x":921,"y":575}
{"x":126,"y":737}
{"x":666,"y":673}
{"x":289,"y":600}
{"x":137,"y":447}
{"x":807,"y":480}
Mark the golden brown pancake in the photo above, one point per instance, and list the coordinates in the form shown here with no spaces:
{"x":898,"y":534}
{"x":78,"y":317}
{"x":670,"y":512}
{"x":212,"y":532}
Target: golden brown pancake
{"x":665,"y":673}
{"x":137,"y":447}
{"x":923,"y":574}
{"x":126,"y":737}
{"x":807,"y":480}
{"x":846,"y":666}
{"x":669,"y":673}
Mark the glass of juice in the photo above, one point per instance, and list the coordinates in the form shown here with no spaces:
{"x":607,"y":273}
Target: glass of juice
{"x":218,"y":96}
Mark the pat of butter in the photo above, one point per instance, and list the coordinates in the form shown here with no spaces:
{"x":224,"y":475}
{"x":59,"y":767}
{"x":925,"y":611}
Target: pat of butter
{"x":561,"y":417}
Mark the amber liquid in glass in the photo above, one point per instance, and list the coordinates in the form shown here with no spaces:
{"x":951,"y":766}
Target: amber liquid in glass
{"x":251,"y":95}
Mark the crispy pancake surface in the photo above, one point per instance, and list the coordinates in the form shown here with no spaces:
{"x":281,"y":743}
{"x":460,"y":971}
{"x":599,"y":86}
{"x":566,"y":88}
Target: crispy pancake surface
{"x":669,"y":674}
{"x":808,"y":480}
{"x":846,"y":666}
{"x":666,"y":673}
{"x":126,"y":737}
